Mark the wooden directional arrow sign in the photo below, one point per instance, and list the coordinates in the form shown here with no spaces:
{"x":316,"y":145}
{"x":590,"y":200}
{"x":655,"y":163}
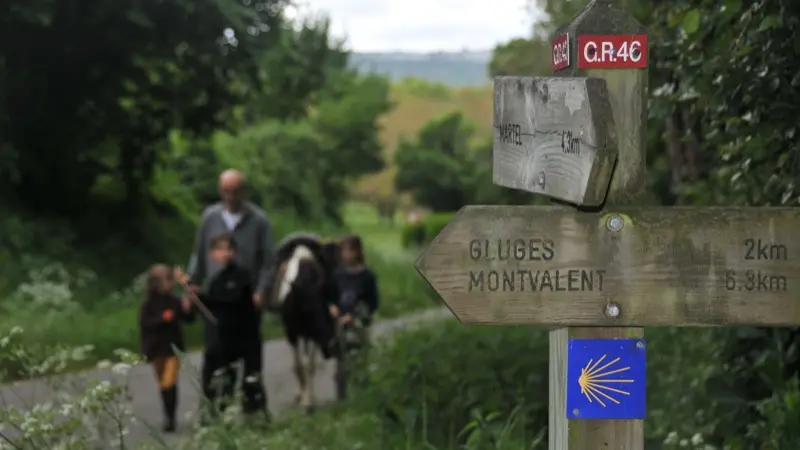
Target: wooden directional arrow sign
{"x":554,"y":136}
{"x":549,"y":265}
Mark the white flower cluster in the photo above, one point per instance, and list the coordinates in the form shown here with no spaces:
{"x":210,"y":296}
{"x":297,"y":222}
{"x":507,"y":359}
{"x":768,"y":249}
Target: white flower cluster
{"x":50,"y":287}
{"x":696,"y":442}
{"x":79,"y":412}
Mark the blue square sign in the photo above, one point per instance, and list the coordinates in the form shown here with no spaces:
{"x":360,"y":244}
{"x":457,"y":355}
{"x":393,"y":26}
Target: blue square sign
{"x":606,"y":379}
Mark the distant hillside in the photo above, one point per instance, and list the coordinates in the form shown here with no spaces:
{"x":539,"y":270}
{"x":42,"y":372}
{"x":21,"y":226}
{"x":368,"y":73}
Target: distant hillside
{"x":456,"y":69}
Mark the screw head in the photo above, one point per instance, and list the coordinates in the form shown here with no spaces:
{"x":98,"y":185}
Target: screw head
{"x":612,"y":310}
{"x":640,"y":344}
{"x":540,"y":180}
{"x":615,"y":223}
{"x":575,"y":412}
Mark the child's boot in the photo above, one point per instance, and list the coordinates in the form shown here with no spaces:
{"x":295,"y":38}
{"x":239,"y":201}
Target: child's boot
{"x":170,"y":399}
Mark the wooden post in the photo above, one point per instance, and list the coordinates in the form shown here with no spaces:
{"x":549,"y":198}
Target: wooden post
{"x":600,"y":275}
{"x":607,"y":42}
{"x":599,"y":27}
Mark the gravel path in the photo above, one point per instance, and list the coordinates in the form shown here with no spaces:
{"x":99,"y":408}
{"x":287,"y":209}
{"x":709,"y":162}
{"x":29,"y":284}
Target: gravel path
{"x":280,"y":382}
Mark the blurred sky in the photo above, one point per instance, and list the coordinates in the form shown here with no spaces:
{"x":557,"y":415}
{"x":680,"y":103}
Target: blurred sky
{"x":424,"y":25}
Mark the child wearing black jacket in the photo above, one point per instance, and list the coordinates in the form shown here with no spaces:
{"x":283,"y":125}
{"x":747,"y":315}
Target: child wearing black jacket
{"x":235,"y":335}
{"x":356,"y":284}
{"x":161,"y":331}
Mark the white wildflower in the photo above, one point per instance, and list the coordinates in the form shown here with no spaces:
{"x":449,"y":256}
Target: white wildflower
{"x":697,"y":439}
{"x":672,"y":438}
{"x":104,"y":364}
{"x":121,"y":368}
{"x":66,"y":409}
{"x":81,"y":353}
{"x":127,"y":356}
{"x":684,"y":443}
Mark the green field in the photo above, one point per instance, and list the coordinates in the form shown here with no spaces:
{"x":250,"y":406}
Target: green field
{"x":379,"y":237}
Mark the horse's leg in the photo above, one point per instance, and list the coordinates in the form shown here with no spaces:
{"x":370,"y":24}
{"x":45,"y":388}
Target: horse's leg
{"x":307,"y":400}
{"x":299,"y":371}
{"x":312,"y":371}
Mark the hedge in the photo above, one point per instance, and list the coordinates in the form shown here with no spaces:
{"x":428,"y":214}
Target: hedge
{"x":421,"y":233}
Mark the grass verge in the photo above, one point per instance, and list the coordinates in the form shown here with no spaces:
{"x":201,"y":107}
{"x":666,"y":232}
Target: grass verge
{"x":447,"y":387}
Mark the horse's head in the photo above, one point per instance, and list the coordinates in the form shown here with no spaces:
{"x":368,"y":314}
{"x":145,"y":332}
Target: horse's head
{"x":305,"y":263}
{"x":329,"y":255}
{"x":298,"y":272}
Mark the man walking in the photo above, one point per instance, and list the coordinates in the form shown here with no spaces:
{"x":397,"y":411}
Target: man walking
{"x":252,"y":233}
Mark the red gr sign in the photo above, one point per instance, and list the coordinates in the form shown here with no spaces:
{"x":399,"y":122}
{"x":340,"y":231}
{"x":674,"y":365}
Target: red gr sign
{"x":560,"y":52}
{"x":624,"y":51}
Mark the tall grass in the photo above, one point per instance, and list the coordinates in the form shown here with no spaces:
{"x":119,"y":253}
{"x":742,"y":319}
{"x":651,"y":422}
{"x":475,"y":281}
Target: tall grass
{"x":448,"y":387}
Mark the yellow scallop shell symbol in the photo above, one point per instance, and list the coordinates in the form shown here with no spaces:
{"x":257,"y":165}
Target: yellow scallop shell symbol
{"x":594,"y":382}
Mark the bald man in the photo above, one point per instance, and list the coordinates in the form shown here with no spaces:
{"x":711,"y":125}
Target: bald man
{"x":255,"y":252}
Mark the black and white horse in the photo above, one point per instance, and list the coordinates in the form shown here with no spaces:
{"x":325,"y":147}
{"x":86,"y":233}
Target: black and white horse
{"x":302,"y":286}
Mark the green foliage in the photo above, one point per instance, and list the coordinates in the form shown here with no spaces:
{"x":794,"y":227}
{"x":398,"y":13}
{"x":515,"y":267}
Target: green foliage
{"x":418,"y":234}
{"x":437,"y":166}
{"x":159,"y":107}
{"x":122,"y":92}
{"x":73,"y":421}
{"x":781,"y":413}
{"x":506,"y":59}
{"x":292,"y":74}
{"x":288,"y":165}
{"x":413,"y":235}
{"x":447,"y":386}
{"x":348,"y":119}
{"x":456,"y":374}
{"x":443,"y":170}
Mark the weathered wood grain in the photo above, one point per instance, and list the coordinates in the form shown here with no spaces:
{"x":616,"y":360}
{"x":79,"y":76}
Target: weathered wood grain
{"x":627,"y":90}
{"x":543,"y":265}
{"x":554,"y":136}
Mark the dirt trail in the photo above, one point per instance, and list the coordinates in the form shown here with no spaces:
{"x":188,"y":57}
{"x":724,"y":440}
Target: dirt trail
{"x":281,"y":386}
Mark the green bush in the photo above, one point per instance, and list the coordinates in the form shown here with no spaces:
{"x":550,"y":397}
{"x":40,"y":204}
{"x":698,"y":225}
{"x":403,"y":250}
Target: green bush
{"x":421,"y":233}
{"x":435,"y":223}
{"x":447,"y":386}
{"x":413,"y":235}
{"x":434,"y":382}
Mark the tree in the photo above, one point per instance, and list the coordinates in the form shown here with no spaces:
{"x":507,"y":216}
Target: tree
{"x":437,"y":167}
{"x":521,"y":57}
{"x":91,"y":92}
{"x":348,"y":114}
{"x":292,"y":75}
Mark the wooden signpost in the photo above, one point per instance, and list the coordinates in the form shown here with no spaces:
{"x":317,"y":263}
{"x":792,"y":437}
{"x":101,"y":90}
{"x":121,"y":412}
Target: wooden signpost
{"x":598,"y":276}
{"x":554,"y":136}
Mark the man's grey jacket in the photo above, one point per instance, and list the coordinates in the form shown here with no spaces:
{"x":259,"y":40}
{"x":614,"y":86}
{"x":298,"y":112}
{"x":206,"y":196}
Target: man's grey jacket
{"x":255,"y":249}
